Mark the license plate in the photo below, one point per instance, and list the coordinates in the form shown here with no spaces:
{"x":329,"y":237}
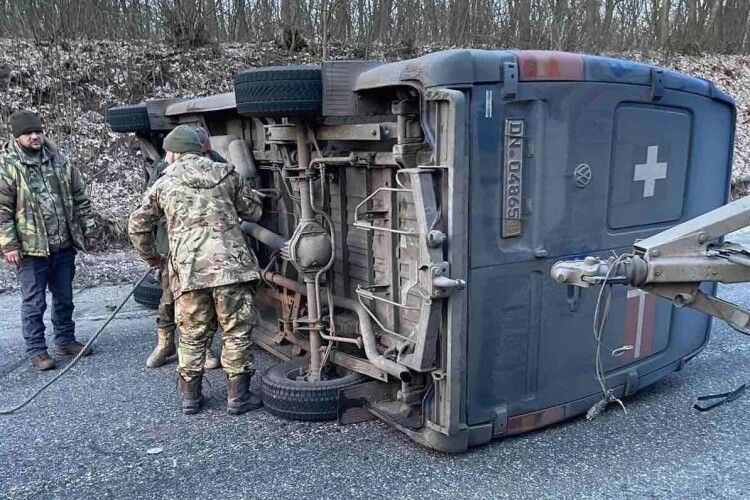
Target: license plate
{"x":513,"y":178}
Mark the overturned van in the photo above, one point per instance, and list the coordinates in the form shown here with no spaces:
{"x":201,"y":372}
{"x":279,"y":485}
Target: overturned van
{"x":413,"y":211}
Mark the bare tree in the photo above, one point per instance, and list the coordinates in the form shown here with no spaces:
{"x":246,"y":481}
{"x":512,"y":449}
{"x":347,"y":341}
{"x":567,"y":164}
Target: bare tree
{"x":398,"y":25}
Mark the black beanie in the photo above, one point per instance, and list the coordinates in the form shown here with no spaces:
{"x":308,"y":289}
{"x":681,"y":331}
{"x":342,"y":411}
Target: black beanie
{"x":24,"y":122}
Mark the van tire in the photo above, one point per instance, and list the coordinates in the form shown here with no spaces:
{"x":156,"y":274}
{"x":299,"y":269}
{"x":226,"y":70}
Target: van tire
{"x":148,"y":293}
{"x":279,"y":91}
{"x":301,"y":399}
{"x":129,"y":118}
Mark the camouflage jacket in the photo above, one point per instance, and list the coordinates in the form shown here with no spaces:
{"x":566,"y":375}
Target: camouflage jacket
{"x":152,"y":175}
{"x":22,"y":221}
{"x":203,"y":203}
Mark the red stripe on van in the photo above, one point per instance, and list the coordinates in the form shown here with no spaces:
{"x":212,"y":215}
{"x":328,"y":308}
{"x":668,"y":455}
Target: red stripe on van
{"x":550,"y":65}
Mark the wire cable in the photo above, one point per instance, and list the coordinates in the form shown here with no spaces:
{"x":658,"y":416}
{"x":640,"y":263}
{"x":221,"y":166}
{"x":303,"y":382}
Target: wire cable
{"x":603,"y":303}
{"x":65,"y":370}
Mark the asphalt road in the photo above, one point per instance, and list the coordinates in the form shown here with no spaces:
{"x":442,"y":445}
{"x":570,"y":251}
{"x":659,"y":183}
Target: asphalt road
{"x":88,"y":435}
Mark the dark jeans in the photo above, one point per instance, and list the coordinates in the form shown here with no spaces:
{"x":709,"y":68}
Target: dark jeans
{"x":35,"y":275}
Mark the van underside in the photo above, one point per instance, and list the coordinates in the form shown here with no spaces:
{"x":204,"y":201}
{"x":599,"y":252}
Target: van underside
{"x":412,"y":211}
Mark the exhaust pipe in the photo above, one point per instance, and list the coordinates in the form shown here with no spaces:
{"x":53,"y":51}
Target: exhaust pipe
{"x":265,"y":236}
{"x":365,"y":327}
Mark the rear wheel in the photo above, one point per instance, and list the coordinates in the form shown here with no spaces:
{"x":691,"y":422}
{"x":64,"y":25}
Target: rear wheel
{"x":130,"y":118}
{"x":287,"y":392}
{"x":279,"y":91}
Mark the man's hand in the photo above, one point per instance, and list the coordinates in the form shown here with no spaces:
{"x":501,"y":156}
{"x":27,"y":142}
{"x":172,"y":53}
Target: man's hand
{"x":257,"y":196}
{"x":156,"y":262}
{"x":13,"y":258}
{"x":90,"y":242}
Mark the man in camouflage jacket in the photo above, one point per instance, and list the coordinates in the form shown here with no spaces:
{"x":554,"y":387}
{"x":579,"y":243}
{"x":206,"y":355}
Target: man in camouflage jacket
{"x":210,"y":264}
{"x":45,"y":216}
{"x":165,"y":319}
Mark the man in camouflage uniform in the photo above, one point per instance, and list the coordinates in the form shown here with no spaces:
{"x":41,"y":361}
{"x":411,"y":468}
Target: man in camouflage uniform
{"x":210,"y":265}
{"x":165,"y":323}
{"x":45,"y":216}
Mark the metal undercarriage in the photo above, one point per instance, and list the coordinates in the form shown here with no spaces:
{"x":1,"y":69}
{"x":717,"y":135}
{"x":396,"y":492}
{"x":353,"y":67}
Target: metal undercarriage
{"x":367,"y":211}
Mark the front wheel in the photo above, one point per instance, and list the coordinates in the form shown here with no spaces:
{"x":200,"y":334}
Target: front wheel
{"x":287,"y":392}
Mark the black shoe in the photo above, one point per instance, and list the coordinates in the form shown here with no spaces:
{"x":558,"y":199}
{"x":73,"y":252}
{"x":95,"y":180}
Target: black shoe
{"x":73,"y":349}
{"x":42,"y":362}
{"x":239,"y":398}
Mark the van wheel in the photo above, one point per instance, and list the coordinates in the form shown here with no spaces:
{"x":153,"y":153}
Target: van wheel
{"x":279,"y":91}
{"x":288,"y":394}
{"x":130,"y":118}
{"x":148,"y":293}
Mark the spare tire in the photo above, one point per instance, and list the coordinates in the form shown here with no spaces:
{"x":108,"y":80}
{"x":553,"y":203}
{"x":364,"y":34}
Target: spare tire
{"x":129,"y":118}
{"x":148,"y":293}
{"x":288,"y":394}
{"x":279,"y":91}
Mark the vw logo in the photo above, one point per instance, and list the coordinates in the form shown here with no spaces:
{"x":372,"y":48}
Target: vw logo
{"x":582,"y":175}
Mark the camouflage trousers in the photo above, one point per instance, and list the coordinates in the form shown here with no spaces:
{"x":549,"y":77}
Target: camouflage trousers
{"x":233,"y":307}
{"x":165,"y":325}
{"x":165,"y":320}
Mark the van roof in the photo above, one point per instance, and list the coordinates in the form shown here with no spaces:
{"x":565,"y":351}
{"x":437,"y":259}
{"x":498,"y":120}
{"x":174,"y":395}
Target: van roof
{"x":468,"y":66}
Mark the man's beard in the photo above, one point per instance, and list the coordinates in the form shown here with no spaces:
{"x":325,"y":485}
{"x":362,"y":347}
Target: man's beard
{"x":33,"y":147}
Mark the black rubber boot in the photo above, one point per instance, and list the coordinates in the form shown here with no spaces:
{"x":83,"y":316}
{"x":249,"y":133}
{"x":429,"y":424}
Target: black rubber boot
{"x":239,"y":397}
{"x":190,"y":390}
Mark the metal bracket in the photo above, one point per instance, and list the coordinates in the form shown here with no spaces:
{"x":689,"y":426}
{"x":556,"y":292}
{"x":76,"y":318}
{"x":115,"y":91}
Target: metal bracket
{"x":500,"y":424}
{"x":442,"y":284}
{"x":357,"y":132}
{"x":354,"y":401}
{"x":657,"y":84}
{"x":363,"y":293}
{"x":510,"y":80}
{"x":283,"y":133}
{"x":574,"y":297}
{"x":371,"y":227}
{"x":358,"y":365}
{"x":405,"y":107}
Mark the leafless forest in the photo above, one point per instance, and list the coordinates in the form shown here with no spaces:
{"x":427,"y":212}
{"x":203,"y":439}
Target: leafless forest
{"x":682,"y":26}
{"x":71,"y":59}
